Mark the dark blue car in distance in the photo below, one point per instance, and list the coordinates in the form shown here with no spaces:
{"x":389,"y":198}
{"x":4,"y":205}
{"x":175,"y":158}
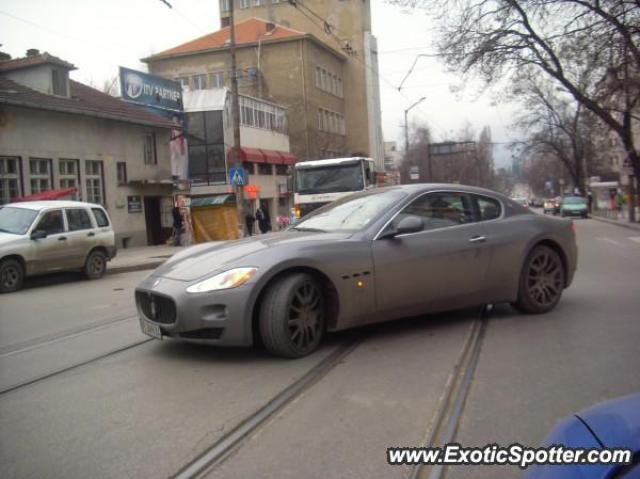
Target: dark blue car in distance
{"x":612,"y":424}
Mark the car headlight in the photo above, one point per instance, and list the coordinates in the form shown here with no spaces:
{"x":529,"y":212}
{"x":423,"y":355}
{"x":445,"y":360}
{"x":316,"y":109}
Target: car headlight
{"x":226,"y":280}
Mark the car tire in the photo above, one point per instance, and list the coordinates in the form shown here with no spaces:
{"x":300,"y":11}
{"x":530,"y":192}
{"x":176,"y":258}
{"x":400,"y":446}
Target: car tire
{"x":292,"y":316}
{"x":11,"y":275}
{"x":542,"y":280}
{"x":95,"y":265}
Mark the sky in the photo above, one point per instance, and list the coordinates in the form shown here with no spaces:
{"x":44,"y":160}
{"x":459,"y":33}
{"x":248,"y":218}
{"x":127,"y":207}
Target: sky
{"x":98,"y":36}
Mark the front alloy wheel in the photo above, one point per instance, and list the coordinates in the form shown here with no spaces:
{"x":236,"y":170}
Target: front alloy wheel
{"x":292,"y":316}
{"x":541,"y":281}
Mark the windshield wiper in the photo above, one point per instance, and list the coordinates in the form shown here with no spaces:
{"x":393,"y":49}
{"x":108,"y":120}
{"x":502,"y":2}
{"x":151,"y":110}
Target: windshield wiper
{"x":313,"y":230}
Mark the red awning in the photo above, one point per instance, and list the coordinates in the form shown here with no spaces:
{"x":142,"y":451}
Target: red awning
{"x":48,"y":195}
{"x":252,"y":155}
{"x":272,"y":156}
{"x":287,"y":158}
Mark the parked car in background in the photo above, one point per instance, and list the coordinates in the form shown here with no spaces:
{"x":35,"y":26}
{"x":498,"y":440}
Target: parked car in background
{"x":381,"y":254}
{"x":521,"y":200}
{"x":551,"y":205}
{"x":612,"y":424}
{"x":574,"y":206}
{"x":46,"y":236}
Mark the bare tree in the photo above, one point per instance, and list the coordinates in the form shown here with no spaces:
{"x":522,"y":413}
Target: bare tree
{"x":590,"y":48}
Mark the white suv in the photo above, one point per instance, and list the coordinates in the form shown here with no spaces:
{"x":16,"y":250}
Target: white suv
{"x":39,"y":237}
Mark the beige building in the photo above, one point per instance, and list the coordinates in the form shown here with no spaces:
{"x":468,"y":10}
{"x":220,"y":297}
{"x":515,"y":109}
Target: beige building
{"x":325,"y":74}
{"x":56,"y":133}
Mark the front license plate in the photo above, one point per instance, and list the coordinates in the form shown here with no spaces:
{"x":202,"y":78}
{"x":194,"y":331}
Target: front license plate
{"x":150,"y":329}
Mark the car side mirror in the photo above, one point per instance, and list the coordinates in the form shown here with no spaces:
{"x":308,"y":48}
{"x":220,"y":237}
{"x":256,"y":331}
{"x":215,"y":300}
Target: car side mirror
{"x":408,"y":224}
{"x":38,"y":234}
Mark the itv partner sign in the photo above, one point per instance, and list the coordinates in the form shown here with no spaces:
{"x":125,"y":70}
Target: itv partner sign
{"x":150,"y":90}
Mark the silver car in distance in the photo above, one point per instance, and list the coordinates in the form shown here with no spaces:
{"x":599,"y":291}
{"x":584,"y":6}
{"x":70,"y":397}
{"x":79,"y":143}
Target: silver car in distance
{"x":373,"y":256}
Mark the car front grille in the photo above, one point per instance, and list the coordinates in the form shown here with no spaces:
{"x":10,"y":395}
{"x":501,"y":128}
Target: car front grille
{"x":156,"y":308}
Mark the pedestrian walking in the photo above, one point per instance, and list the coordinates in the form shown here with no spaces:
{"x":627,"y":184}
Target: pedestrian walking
{"x":177,"y":225}
{"x":590,"y":201}
{"x":249,"y":221}
{"x":264,"y":221}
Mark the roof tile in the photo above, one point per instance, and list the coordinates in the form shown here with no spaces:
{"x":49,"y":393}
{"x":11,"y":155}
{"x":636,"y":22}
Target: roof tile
{"x":249,"y":31}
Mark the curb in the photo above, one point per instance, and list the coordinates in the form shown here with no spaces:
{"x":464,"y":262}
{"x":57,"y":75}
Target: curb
{"x":134,"y":267}
{"x":631,"y":226}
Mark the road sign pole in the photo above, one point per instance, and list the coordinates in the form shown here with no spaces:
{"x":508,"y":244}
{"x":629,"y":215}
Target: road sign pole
{"x":235,"y":113}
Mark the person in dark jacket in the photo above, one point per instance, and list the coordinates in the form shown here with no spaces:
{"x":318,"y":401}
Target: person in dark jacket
{"x":249,"y":220}
{"x":177,"y":225}
{"x":264,"y":221}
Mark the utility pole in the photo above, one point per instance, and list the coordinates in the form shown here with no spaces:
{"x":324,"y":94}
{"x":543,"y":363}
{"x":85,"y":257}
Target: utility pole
{"x":235,"y":115}
{"x":406,"y":127}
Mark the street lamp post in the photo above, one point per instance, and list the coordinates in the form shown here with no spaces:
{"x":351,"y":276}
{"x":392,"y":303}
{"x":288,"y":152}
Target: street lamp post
{"x":406,"y":126}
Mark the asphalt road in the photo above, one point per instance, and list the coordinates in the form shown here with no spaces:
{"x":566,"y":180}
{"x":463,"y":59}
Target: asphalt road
{"x":86,"y":395}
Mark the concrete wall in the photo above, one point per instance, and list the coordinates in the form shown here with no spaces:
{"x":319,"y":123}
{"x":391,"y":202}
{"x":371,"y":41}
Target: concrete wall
{"x":28,"y":133}
{"x":288,"y":79}
{"x":351,"y":20}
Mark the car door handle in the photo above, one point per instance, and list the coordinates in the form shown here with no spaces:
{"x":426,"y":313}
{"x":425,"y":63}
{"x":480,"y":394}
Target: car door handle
{"x":477,"y":239}
{"x":62,"y":238}
{"x":91,"y":234}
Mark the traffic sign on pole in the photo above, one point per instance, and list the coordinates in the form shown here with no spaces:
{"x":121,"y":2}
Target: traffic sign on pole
{"x":238,"y":176}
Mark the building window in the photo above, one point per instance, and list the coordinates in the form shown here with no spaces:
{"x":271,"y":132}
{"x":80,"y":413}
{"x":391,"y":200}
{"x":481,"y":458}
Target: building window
{"x":331,"y":122}
{"x":40,"y":174}
{"x":93,"y":175}
{"x":58,"y":83}
{"x":205,"y":138}
{"x":216,"y":79}
{"x":265,"y":169}
{"x":70,"y":176}
{"x":184,"y":81}
{"x":245,"y":3}
{"x":10,"y":179}
{"x":257,"y":3}
{"x":199,"y":82}
{"x":329,"y":82}
{"x":150,"y":156}
{"x":260,"y":114}
{"x":224,"y":5}
{"x":249,"y":167}
{"x":122,"y":173}
{"x":281,"y":170}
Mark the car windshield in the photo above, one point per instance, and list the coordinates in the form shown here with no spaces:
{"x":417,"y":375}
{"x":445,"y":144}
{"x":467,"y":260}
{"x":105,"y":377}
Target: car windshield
{"x":330,"y":179}
{"x":573,"y":200}
{"x":16,"y":220}
{"x":352,"y":213}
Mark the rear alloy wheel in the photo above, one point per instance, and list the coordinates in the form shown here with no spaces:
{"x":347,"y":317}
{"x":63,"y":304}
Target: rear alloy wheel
{"x":96,"y":265}
{"x":11,"y":276}
{"x":541,"y":281}
{"x":292,"y":316}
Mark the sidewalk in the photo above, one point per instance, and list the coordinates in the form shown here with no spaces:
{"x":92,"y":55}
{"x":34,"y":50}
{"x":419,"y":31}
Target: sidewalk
{"x":624,"y":222}
{"x":141,"y":258}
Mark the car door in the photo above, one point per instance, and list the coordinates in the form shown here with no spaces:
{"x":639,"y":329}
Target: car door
{"x":441,"y":267}
{"x":104,"y":232}
{"x":51,"y":252}
{"x":81,"y":235}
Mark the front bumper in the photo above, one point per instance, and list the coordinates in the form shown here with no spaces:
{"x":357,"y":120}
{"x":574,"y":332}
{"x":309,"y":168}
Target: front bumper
{"x":218,"y":317}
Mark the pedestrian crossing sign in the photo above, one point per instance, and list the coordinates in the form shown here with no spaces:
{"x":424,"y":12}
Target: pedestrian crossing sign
{"x":237,"y":176}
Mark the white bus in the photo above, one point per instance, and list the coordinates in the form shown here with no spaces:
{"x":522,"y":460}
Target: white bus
{"x":319,"y":182}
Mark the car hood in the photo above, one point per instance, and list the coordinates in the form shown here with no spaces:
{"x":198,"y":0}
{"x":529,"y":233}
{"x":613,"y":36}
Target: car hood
{"x":207,"y":258}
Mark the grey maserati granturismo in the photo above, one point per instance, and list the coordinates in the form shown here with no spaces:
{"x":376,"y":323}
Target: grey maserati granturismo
{"x":373,"y":256}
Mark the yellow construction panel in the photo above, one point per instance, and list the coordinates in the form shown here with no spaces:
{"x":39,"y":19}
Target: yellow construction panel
{"x":215,"y":223}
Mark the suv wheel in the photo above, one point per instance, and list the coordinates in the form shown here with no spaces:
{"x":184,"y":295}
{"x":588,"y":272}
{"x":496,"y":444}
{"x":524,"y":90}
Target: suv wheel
{"x":11,"y":275}
{"x":96,"y":265}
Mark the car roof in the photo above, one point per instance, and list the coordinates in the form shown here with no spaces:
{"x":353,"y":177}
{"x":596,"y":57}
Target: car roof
{"x":47,"y":204}
{"x":329,"y":162}
{"x":426,"y":187}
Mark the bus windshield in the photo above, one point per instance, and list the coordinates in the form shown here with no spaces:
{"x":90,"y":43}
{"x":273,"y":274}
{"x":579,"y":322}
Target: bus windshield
{"x":330,"y":179}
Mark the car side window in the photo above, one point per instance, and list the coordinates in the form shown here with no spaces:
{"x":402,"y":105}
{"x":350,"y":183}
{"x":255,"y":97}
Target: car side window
{"x":51,"y":222}
{"x":78,"y":219}
{"x":489,"y":208}
{"x":101,"y":217}
{"x":439,"y":210}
